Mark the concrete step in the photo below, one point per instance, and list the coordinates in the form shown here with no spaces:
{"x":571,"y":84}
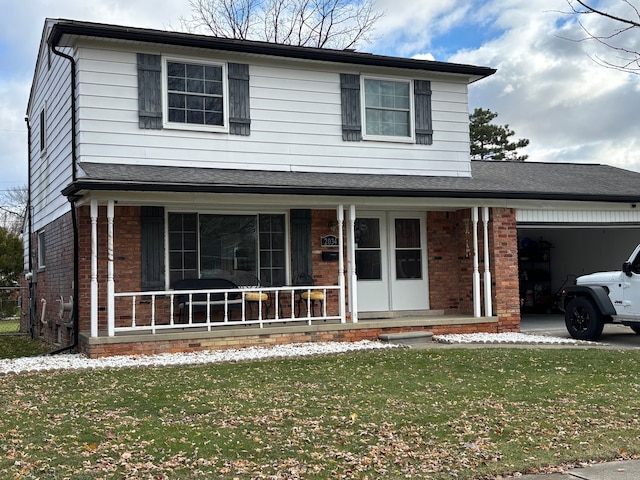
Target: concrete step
{"x":406,"y":338}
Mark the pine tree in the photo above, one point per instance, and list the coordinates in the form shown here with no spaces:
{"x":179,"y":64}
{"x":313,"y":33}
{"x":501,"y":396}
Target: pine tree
{"x":492,"y":142}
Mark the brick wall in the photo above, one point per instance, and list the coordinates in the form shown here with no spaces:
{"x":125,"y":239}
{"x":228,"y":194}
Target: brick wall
{"x":267,"y":339}
{"x":127,"y":263}
{"x":504,"y":242}
{"x":324,"y":272}
{"x":53,"y":281}
{"x":450,"y":264}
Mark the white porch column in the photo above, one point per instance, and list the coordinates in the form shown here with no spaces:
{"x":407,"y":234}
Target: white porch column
{"x":476,"y":272}
{"x":353,"y":278}
{"x":488,"y":307}
{"x":341,"y":279}
{"x":94,"y":268}
{"x":111,"y":314}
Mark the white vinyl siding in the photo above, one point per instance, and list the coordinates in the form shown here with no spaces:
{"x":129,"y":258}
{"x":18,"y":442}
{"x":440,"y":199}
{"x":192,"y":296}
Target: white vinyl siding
{"x":51,"y":167}
{"x":578,"y":217}
{"x":295,"y":124}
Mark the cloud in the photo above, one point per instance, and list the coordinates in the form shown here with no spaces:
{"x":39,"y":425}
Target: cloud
{"x":549,"y":90}
{"x":20,"y":34}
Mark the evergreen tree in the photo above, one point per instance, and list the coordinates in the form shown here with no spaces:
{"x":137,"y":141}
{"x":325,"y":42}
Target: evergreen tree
{"x":493,"y":142}
{"x":11,"y":258}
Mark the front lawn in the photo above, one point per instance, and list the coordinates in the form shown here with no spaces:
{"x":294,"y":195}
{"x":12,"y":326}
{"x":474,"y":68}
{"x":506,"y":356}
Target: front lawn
{"x":436,"y":414}
{"x":15,"y":346}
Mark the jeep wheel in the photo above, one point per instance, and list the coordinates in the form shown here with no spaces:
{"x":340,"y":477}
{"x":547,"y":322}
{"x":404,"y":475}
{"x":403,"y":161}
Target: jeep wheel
{"x":583,"y":320}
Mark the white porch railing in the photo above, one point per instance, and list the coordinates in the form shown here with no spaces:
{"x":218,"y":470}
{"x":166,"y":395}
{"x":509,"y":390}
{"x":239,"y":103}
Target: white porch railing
{"x":170,"y":309}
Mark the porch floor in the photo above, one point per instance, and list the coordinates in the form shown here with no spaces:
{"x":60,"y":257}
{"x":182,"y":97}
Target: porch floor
{"x":223,"y":337}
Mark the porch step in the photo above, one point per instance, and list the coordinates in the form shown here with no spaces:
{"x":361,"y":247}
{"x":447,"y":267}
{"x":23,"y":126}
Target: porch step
{"x":406,"y":338}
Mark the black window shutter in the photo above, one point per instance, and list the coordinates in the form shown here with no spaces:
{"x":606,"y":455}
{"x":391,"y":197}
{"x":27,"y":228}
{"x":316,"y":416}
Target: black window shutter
{"x":152,"y":248}
{"x":150,"y":91}
{"x":422,"y":98}
{"x":239,"y":108}
{"x":301,"y":242}
{"x":350,"y":99}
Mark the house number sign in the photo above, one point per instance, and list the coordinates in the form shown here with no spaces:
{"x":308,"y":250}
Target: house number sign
{"x":329,"y":241}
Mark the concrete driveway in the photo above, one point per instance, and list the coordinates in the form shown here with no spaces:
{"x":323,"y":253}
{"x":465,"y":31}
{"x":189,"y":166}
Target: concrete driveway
{"x":617,"y":336}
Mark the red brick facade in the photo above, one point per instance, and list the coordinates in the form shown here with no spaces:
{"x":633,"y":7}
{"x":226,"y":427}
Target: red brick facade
{"x":450,"y":270}
{"x":51,"y":283}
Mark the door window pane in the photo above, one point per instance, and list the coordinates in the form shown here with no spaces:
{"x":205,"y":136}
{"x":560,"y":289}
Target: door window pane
{"x":369,"y":264}
{"x":368,"y":251}
{"x":407,"y":233}
{"x":367,"y":232}
{"x":408,"y":264}
{"x":408,"y":254}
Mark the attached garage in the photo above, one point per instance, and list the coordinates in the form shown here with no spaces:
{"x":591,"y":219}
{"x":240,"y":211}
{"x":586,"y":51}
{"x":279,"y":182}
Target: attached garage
{"x":556,"y":246}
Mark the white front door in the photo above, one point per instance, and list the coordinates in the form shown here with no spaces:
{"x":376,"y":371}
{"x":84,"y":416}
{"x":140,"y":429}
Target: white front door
{"x":408,"y":260}
{"x":371,"y":262}
{"x":391,"y":262}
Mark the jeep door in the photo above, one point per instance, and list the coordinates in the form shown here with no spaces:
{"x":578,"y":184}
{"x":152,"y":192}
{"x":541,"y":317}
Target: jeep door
{"x":631,"y":288}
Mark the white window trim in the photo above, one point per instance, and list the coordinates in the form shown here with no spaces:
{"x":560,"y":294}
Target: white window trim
{"x":42,"y":250}
{"x":198,"y":212}
{"x":194,"y":126}
{"x":363,"y":113}
{"x":44,"y":134}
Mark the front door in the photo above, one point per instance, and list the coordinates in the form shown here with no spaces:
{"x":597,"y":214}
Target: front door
{"x":391,"y":262}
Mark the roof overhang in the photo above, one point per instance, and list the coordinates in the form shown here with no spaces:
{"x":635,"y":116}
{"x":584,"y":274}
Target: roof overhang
{"x":490,"y":180}
{"x":62,"y":30}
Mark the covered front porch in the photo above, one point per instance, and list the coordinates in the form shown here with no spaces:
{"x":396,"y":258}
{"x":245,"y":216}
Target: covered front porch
{"x":454,"y":276}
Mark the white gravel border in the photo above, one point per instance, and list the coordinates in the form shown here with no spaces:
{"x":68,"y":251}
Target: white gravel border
{"x":509,"y":338}
{"x":51,"y":363}
{"x":81,"y":362}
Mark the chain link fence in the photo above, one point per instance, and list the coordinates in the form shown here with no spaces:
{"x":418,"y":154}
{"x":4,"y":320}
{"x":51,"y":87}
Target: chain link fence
{"x":10,"y":300}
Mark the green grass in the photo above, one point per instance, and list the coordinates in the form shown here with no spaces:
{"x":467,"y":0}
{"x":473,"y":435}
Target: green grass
{"x":15,"y":346}
{"x":436,"y":414}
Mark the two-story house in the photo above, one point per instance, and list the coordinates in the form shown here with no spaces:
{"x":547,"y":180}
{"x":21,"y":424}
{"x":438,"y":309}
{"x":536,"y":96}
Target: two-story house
{"x":191,"y":192}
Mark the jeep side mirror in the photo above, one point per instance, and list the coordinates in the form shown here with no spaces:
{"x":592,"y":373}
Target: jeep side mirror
{"x":626,"y":268}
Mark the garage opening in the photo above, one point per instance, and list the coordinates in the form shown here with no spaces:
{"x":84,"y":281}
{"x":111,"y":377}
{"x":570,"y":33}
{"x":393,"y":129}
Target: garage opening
{"x":551,"y":256}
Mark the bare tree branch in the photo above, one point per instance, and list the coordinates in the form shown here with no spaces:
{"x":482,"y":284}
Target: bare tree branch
{"x":616,"y":39}
{"x":336,"y":24}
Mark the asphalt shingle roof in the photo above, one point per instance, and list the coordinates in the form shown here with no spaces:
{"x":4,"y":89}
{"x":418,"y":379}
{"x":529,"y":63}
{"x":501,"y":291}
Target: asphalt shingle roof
{"x":514,"y":180}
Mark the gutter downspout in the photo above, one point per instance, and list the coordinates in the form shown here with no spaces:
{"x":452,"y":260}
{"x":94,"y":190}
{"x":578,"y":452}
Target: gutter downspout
{"x":31,"y":295}
{"x":72,"y":199}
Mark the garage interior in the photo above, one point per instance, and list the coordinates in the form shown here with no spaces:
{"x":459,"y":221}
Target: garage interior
{"x":551,"y":256}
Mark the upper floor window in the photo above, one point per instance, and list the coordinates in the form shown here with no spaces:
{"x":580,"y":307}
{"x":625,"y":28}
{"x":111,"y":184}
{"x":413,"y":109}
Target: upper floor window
{"x":387,"y":107}
{"x":384,"y":109}
{"x":194,"y":93}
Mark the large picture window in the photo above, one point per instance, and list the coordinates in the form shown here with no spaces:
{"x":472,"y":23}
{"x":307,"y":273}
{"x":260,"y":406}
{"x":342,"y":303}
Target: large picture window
{"x":387,"y":108}
{"x":195,"y":93}
{"x":218,"y":245}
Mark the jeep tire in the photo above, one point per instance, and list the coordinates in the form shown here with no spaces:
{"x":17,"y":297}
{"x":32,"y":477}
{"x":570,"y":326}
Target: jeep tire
{"x":583,"y":319}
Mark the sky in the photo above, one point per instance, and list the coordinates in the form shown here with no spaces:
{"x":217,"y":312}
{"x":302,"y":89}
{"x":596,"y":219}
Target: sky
{"x":549,"y":87}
